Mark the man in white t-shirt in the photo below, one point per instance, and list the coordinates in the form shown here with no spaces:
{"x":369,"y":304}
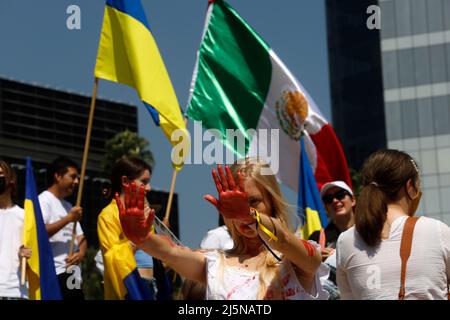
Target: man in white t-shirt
{"x":59,"y":216}
{"x":11,"y":235}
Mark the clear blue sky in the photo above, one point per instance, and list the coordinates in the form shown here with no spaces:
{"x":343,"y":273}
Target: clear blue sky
{"x":36,"y":47}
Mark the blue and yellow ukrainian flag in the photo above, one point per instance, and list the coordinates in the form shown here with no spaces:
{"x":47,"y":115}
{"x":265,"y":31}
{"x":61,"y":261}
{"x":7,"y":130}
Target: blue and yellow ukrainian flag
{"x":311,"y":211}
{"x":42,"y":281}
{"x":121,"y":276}
{"x":128,"y":54}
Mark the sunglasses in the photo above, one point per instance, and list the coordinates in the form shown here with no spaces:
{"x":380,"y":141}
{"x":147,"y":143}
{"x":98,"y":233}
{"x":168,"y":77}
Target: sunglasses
{"x":339,"y":195}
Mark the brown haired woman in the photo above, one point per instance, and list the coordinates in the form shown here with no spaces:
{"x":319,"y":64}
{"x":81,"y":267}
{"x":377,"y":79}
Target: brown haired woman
{"x":369,"y":264}
{"x":287,"y":268}
{"x":120,"y":257}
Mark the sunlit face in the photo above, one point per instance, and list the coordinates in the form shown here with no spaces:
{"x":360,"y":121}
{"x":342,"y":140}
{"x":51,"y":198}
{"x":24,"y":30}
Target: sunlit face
{"x":143,"y":179}
{"x":339,"y":207}
{"x":257,"y":200}
{"x":68,"y":181}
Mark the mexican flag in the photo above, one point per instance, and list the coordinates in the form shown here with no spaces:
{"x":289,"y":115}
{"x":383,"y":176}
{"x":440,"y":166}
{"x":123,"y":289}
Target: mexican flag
{"x":240,"y":83}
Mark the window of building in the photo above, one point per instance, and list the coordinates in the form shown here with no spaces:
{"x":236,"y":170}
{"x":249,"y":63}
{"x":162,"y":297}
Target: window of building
{"x":428,"y":161}
{"x":446,"y":12}
{"x":443,"y":156}
{"x":406,"y":67}
{"x":388,"y":29}
{"x":441,"y":115}
{"x":393,"y":121}
{"x":425,"y":112}
{"x":422,"y":66}
{"x":403,"y":17}
{"x":419,"y":16}
{"x":409,"y":119}
{"x":435,"y":15}
{"x":390,"y":70}
{"x":438,"y":64}
{"x":433,"y":205}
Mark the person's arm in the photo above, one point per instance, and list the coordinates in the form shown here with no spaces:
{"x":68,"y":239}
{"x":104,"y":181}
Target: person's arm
{"x":75,"y":214}
{"x":136,"y":226}
{"x":77,"y":257}
{"x":301,"y":253}
{"x":188,"y":263}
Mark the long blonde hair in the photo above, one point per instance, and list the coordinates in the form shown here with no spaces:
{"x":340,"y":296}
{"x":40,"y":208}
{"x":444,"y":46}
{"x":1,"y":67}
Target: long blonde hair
{"x":250,"y":168}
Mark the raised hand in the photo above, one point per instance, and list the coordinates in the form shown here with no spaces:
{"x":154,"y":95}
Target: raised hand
{"x":136,"y":225}
{"x":233,"y":200}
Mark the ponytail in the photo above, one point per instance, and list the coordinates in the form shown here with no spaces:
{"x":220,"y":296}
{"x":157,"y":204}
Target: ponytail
{"x":383,"y":175}
{"x":370,"y":213}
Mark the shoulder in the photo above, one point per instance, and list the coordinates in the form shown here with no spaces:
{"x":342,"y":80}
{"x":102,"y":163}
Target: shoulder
{"x":45,"y":196}
{"x":219,"y":232}
{"x":347,"y":238}
{"x":18,"y":212}
{"x":431,"y":225}
{"x":111,"y":210}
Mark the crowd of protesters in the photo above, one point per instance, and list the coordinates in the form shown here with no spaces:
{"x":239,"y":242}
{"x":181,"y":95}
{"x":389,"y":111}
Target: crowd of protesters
{"x":376,"y":247}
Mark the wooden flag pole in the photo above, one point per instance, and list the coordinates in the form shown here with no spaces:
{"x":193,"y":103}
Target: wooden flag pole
{"x":169,"y":201}
{"x":172,"y":188}
{"x":85,"y":155}
{"x":23,"y":271}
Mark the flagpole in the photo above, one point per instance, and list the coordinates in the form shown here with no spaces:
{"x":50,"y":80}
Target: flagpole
{"x":85,"y":155}
{"x":171,"y":192}
{"x":23,"y":270}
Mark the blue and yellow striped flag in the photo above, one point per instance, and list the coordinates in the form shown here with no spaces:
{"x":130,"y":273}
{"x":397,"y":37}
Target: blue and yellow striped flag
{"x":311,"y":211}
{"x":128,"y":54}
{"x":121,"y":276}
{"x":42,"y":281}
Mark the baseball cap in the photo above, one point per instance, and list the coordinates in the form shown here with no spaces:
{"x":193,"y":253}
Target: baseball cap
{"x":339,"y":184}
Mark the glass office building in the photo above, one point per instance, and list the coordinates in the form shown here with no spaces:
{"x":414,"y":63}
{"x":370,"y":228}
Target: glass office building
{"x":415,"y":45}
{"x":391,"y":87}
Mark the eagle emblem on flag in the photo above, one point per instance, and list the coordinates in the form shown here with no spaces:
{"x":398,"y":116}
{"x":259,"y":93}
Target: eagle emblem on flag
{"x":292,"y":111}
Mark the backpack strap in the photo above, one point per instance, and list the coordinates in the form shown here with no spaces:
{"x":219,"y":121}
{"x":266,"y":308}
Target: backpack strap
{"x":405,"y":251}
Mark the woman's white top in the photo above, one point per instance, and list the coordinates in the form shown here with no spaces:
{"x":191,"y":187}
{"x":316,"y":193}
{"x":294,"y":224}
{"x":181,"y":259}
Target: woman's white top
{"x":11,"y":238}
{"x":373,"y":273}
{"x":234,"y":283}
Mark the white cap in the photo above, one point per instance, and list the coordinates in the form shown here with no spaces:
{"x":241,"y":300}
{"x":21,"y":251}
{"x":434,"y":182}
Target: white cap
{"x":339,"y":184}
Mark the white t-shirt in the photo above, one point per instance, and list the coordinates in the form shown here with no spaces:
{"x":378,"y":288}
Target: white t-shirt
{"x":233,"y":283}
{"x":373,"y":273}
{"x":11,"y":238}
{"x":218,"y":238}
{"x":53,"y":210}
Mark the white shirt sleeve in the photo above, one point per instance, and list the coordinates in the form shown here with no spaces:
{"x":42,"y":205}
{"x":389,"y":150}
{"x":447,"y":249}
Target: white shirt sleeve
{"x":79,"y":231}
{"x":43,"y":203}
{"x":341,"y":276}
{"x":210,"y":241}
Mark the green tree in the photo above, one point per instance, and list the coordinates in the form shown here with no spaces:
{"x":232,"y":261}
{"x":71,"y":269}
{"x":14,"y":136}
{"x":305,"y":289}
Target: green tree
{"x":126,"y":144}
{"x":356,"y":181}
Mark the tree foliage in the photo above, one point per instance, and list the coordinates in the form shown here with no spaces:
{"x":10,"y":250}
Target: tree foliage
{"x":126,"y":144}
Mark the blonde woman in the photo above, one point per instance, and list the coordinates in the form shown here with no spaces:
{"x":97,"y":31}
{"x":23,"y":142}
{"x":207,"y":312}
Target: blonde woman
{"x":267,"y":262}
